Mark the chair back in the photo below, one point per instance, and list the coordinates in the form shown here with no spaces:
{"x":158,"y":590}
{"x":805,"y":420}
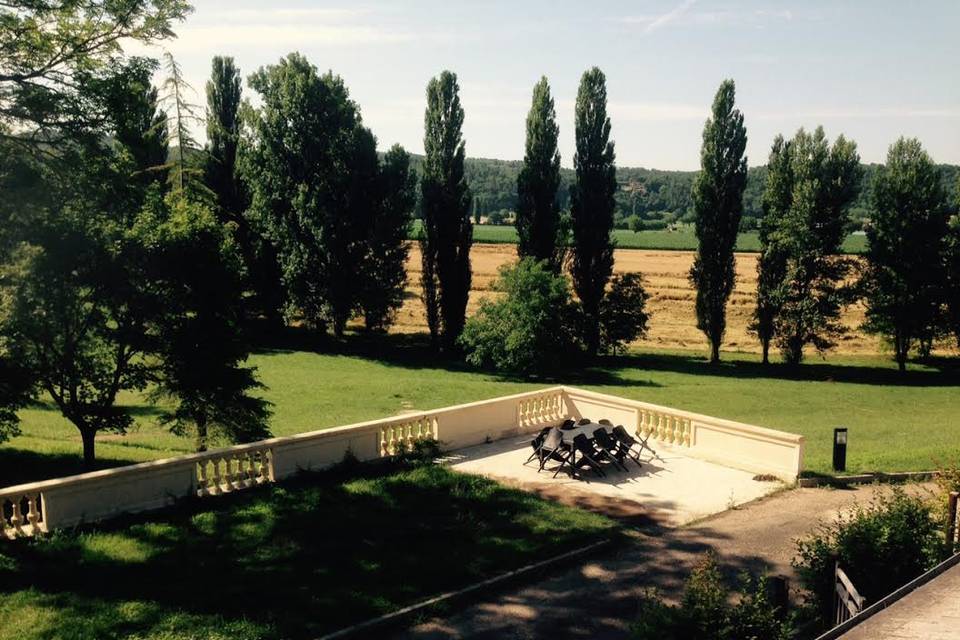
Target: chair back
{"x":606,"y":422}
{"x":622,"y":435}
{"x":582,"y":444}
{"x":603,"y":439}
{"x":584,"y":421}
{"x":553,"y":440}
{"x":568,"y":424}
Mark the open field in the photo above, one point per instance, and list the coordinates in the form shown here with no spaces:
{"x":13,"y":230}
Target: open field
{"x":896,"y":423}
{"x":671,"y":305}
{"x":684,"y":240}
{"x":289,"y":562}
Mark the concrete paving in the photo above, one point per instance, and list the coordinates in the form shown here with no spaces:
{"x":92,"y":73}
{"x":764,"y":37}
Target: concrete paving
{"x":670,"y":491}
{"x":932,"y":612}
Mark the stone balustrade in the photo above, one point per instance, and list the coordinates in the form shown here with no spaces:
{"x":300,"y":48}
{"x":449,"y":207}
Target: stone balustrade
{"x":21,"y":513}
{"x":63,"y":502}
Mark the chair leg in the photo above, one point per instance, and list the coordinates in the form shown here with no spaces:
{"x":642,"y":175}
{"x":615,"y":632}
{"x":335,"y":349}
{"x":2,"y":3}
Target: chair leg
{"x":565,"y":462}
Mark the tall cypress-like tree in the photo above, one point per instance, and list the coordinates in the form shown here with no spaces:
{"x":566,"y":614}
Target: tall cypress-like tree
{"x":538,"y":212}
{"x":445,"y":197}
{"x":904,"y":281}
{"x":718,"y":205}
{"x":952,"y":255}
{"x":221,"y":174}
{"x":813,"y":292}
{"x":385,"y":272}
{"x":592,"y":202}
{"x":772,"y":261}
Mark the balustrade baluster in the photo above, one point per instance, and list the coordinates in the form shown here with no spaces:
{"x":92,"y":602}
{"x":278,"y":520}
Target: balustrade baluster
{"x":33,"y":516}
{"x":15,"y":518}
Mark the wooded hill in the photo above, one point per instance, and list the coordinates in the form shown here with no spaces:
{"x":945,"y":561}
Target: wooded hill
{"x":648,"y":198}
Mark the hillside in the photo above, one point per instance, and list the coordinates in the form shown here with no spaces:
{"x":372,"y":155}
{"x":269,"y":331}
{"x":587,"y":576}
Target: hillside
{"x":653,"y":198}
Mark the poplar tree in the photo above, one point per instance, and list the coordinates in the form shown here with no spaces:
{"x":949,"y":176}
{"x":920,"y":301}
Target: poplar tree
{"x":718,"y":205}
{"x":592,"y":202}
{"x":538,"y":212}
{"x":772,"y":261}
{"x":904,"y":280}
{"x":826,"y":180}
{"x":445,"y":198}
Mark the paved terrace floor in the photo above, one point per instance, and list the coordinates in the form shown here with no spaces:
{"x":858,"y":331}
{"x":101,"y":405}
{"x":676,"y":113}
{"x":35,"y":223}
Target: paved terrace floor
{"x":670,"y":491}
{"x":932,"y":612}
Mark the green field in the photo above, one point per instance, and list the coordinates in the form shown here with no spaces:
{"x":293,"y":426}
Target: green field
{"x":896,"y":423}
{"x":684,"y":240}
{"x":290,"y":562}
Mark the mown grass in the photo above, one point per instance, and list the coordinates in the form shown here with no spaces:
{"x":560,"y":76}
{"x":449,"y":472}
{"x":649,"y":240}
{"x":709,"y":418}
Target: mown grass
{"x":292,"y":561}
{"x":683,"y":240}
{"x":897,"y":423}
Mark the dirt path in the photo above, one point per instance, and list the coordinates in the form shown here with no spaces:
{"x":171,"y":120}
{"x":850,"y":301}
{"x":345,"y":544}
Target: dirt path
{"x":599,"y":599}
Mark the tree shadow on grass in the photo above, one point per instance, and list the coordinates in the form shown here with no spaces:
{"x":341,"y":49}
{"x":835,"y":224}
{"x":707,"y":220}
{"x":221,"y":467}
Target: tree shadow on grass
{"x":19,"y":466}
{"x":300,"y":559}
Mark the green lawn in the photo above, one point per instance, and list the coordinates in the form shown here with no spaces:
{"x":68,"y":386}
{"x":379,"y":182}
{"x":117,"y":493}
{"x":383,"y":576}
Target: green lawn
{"x":670,"y":240}
{"x":292,"y":561}
{"x":896,"y":423}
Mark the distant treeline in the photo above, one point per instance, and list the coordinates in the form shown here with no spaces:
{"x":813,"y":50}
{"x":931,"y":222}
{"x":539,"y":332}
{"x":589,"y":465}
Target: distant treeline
{"x":649,"y":199}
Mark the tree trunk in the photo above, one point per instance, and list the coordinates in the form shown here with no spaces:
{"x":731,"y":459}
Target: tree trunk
{"x":714,"y":352}
{"x":766,"y":351}
{"x":88,"y":437}
{"x":201,"y":422}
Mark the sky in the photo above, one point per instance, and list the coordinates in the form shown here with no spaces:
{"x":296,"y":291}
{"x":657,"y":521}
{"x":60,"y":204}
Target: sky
{"x":873,"y":70}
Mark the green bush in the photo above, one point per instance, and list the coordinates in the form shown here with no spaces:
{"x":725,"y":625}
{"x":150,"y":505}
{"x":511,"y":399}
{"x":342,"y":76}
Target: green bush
{"x":709,"y":611}
{"x":880,"y":546}
{"x":623,"y":318}
{"x":528,"y":330}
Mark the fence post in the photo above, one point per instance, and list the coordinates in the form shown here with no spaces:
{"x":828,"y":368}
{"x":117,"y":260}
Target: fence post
{"x":952,"y":521}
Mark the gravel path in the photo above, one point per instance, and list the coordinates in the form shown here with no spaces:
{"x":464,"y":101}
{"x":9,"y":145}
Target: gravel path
{"x":598,"y":599}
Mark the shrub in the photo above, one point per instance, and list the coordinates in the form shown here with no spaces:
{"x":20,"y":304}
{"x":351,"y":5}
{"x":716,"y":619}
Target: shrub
{"x":527,"y":331}
{"x":880,"y":546}
{"x":706,"y":612}
{"x":623,"y":318}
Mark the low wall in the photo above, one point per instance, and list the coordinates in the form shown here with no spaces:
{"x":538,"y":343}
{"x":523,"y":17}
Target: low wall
{"x":63,"y":502}
{"x":734,"y":444}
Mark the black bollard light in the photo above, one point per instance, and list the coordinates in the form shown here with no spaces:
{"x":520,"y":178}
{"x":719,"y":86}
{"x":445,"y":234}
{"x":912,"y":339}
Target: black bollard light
{"x":840,"y":449}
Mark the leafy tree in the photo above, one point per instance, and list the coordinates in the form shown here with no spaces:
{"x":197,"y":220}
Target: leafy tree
{"x":194,"y":268}
{"x":222,"y":177}
{"x":385,"y":272}
{"x":181,"y":116}
{"x":772,"y":261}
{"x":445,"y":197}
{"x":592,"y":202}
{"x":74,"y":308}
{"x":623,"y":316}
{"x":953,"y":273}
{"x":810,"y":233}
{"x":52,"y":51}
{"x":303,"y":136}
{"x":905,"y":280}
{"x":139,"y":124}
{"x":718,"y":203}
{"x":528,"y":330}
{"x":538,"y":211}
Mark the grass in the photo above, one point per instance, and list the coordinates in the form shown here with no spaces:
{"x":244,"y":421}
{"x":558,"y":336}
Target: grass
{"x":292,"y":561}
{"x":683,"y":240}
{"x":897,"y":423}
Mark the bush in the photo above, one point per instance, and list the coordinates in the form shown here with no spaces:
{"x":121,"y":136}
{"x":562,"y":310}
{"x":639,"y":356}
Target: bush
{"x":527,"y":331}
{"x":622,"y":315}
{"x":706,"y":612}
{"x":881,"y":547}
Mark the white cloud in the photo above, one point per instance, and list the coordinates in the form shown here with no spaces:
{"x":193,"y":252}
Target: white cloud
{"x":682,"y":15}
{"x":652,"y":23}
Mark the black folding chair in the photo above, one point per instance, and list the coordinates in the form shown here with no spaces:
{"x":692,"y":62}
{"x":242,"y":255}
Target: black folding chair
{"x":583,"y":454}
{"x":568,"y":424}
{"x":583,"y":421}
{"x":608,"y":449}
{"x":537,"y":442}
{"x":554,"y":448}
{"x":605,"y":422}
{"x":630,"y":442}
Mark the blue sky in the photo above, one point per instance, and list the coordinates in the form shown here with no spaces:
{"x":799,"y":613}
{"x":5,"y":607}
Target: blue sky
{"x":873,"y":70}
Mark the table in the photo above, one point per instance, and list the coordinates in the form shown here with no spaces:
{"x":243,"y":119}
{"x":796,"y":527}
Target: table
{"x":585,"y":429}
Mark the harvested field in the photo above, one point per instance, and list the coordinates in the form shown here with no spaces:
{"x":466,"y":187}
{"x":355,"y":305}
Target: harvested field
{"x":671,"y":305}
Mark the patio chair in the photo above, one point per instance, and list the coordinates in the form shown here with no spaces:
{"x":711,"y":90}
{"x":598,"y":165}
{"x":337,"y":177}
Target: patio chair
{"x":537,"y":442}
{"x":586,"y":458}
{"x":583,"y":421}
{"x":554,"y":448}
{"x":630,"y":442}
{"x":608,"y":448}
{"x":606,"y":422}
{"x":568,"y":424}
